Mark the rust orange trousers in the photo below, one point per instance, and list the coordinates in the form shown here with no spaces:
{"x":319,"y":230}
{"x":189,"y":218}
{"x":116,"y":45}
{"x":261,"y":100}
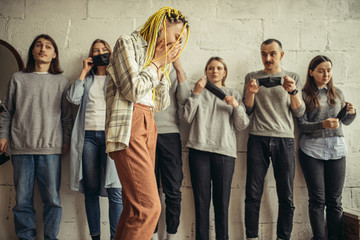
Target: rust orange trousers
{"x":135,"y":167}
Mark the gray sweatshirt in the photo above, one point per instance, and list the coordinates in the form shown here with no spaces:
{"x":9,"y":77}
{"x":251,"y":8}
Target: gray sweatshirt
{"x":311,"y":123}
{"x":272,"y":115}
{"x":37,"y":117}
{"x":167,"y":121}
{"x":214,"y":123}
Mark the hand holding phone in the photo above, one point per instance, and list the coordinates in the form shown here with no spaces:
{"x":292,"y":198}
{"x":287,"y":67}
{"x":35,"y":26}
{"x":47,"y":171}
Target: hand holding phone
{"x":342,"y":112}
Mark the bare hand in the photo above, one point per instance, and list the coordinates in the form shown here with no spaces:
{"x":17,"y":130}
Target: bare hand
{"x":331,"y":123}
{"x":174,"y":52}
{"x":230,"y":100}
{"x":160,"y":56}
{"x":350,"y":108}
{"x":3,"y":144}
{"x":199,"y":86}
{"x":252,"y":86}
{"x":177,"y":64}
{"x":87,"y":64}
{"x":289,"y":84}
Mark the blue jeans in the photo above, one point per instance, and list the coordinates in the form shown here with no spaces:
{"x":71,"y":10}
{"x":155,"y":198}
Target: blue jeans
{"x":94,"y":167}
{"x":282,"y":154}
{"x":325,"y":182}
{"x":47,"y":171}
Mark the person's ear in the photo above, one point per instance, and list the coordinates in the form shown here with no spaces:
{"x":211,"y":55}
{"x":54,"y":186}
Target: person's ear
{"x":311,"y":73}
{"x":282,"y":55}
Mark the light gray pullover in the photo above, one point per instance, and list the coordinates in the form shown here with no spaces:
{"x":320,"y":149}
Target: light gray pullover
{"x":214,"y":123}
{"x":37,"y":117}
{"x":272,"y":115}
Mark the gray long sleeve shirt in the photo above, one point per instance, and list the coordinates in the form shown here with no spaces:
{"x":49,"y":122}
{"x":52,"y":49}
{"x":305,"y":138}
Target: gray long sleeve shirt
{"x":167,"y":121}
{"x":37,"y":117}
{"x":214,"y":123}
{"x":272,"y":115}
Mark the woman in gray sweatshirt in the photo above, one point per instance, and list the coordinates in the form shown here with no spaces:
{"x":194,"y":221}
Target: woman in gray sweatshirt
{"x":212,"y":146}
{"x":323,"y":147}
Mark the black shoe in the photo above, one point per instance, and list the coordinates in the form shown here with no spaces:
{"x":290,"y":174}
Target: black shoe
{"x":97,"y":237}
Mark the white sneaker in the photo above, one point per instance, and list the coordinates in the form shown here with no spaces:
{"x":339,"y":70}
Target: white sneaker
{"x":155,"y":236}
{"x":170,"y":236}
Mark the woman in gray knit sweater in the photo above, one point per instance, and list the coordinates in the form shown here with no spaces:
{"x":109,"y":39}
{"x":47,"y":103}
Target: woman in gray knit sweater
{"x":323,"y":147}
{"x":212,"y":147}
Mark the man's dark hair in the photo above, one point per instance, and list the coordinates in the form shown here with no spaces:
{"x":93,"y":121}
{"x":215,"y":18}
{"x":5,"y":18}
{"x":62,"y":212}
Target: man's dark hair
{"x":271,"y":40}
{"x":54,"y":65}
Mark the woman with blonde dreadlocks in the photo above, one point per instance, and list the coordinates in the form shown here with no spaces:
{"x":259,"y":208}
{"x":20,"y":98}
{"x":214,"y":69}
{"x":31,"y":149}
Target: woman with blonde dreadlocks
{"x":136,"y":87}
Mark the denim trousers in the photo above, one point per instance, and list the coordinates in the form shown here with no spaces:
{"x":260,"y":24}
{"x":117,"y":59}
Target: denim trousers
{"x":260,"y":150}
{"x":47,"y":171}
{"x":325,"y":182}
{"x":168,"y":170}
{"x":206,"y":167}
{"x":94,"y":168}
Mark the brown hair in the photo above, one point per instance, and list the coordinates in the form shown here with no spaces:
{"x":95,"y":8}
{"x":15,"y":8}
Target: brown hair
{"x":311,"y":89}
{"x":219,"y":59}
{"x":54,"y":65}
{"x":91,"y":51}
{"x":271,"y":40}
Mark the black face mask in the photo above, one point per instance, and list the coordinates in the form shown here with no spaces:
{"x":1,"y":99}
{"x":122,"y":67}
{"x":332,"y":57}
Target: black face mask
{"x":215,"y":90}
{"x":342,"y":113}
{"x":269,"y":81}
{"x":101,"y":60}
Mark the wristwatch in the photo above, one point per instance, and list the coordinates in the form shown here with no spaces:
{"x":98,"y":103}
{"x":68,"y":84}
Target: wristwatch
{"x":293,"y":92}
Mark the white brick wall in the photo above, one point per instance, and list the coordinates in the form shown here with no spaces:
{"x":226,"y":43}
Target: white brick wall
{"x":232,"y":29}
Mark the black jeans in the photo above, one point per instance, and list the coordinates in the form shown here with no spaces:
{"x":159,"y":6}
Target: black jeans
{"x":168,"y":170}
{"x":282,"y":154}
{"x":204,"y":168}
{"x":325,"y":182}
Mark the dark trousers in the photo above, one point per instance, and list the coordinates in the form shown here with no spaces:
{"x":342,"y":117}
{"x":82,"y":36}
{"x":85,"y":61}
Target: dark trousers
{"x":206,"y":167}
{"x":168,"y":170}
{"x":282,"y":154}
{"x":325,"y":182}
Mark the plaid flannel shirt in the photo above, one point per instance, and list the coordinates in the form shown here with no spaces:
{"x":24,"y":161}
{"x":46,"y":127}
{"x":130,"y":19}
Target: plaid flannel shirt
{"x":129,"y":82}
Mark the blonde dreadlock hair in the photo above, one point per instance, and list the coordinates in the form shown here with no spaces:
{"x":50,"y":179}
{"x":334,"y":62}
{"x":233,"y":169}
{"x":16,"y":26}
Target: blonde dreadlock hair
{"x":149,"y":31}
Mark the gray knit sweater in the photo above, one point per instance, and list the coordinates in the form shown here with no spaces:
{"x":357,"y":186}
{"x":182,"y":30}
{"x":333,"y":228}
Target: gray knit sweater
{"x":214,"y":123}
{"x":37,"y":118}
{"x":272,"y":115}
{"x":311,"y":123}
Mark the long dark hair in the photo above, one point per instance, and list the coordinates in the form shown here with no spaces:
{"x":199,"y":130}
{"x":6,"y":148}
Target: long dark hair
{"x":54,"y":65}
{"x":311,"y":89}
